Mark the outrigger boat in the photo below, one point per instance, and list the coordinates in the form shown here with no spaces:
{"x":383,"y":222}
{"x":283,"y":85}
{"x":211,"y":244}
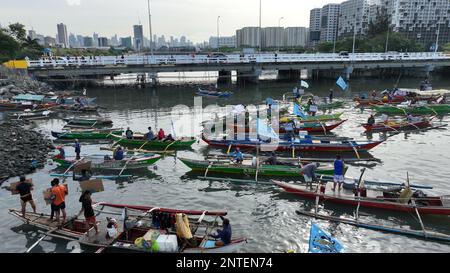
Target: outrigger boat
{"x":141,"y":143}
{"x":397,"y":126}
{"x":246,"y":168}
{"x":129,"y":162}
{"x":432,"y":109}
{"x":88,"y":122}
{"x":91,"y":134}
{"x":145,"y":229}
{"x":305,"y":145}
{"x":32,"y":115}
{"x":314,"y":127}
{"x":317,"y":118}
{"x":213,"y":93}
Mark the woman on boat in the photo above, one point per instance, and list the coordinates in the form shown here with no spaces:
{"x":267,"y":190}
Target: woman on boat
{"x":86,"y":207}
{"x":62,"y":153}
{"x":111,"y":228}
{"x":161,"y":134}
{"x":309,"y":173}
{"x":150,"y":135}
{"x":224,"y":235}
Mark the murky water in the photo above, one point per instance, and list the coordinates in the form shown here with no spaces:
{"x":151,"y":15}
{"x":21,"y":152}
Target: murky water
{"x":263,"y":214}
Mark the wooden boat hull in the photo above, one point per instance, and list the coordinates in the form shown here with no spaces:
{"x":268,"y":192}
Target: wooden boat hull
{"x":372,"y":203}
{"x":140,"y":163}
{"x":85,"y":135}
{"x":326,"y":106}
{"x":263,"y":170}
{"x":420,"y":110}
{"x":318,"y":118}
{"x":314,"y":127}
{"x":158,"y":145}
{"x":381,"y":127}
{"x":88,"y":121}
{"x":213,"y":94}
{"x":288,"y":146}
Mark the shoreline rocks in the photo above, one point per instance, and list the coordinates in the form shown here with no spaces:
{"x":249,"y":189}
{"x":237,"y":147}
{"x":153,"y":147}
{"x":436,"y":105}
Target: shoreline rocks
{"x":23,"y":150}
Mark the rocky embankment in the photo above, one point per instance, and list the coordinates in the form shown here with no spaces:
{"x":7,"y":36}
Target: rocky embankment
{"x":21,"y":149}
{"x":11,"y":87}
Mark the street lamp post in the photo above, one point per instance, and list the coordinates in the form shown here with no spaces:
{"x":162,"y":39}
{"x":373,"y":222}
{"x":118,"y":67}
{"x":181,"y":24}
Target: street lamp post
{"x":260,"y":30}
{"x":279,"y":26}
{"x":354,"y":36}
{"x":437,"y":39}
{"x":150,"y":28}
{"x":218,"y":34}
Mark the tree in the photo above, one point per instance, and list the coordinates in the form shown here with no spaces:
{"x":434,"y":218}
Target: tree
{"x":381,"y":24}
{"x":18,"y":32}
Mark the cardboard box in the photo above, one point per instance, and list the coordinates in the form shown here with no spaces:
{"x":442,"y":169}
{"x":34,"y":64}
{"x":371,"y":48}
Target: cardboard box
{"x":93,"y":186}
{"x":82,"y":166}
{"x":47,"y":194}
{"x":13,"y":186}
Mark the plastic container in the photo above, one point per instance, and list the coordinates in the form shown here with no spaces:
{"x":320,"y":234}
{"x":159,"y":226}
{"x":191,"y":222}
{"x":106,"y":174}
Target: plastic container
{"x":167,"y":243}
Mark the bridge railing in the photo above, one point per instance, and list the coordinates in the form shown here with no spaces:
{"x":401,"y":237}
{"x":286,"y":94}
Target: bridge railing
{"x":201,"y":59}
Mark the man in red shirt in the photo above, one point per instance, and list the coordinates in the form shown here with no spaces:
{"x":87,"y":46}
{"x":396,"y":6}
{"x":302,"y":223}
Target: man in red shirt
{"x":59,"y":193}
{"x":161,"y":134}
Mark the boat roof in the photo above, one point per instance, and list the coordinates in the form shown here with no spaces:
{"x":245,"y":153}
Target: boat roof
{"x":435,"y":92}
{"x":29,"y":97}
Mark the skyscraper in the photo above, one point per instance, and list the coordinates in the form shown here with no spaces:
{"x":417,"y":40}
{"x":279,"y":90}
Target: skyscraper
{"x":296,"y":36}
{"x":355,"y":16}
{"x":95,"y":39}
{"x":73,"y":40}
{"x":138,"y":37}
{"x":32,"y":34}
{"x":329,"y":22}
{"x":63,"y":39}
{"x":248,"y":37}
{"x":315,"y":19}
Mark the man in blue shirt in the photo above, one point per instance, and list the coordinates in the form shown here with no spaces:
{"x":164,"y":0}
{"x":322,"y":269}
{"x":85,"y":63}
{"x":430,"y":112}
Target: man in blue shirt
{"x":77,"y":149}
{"x":225,"y":234}
{"x":338,"y":172}
{"x":118,"y":155}
{"x":150,"y":134}
{"x":238,"y":157}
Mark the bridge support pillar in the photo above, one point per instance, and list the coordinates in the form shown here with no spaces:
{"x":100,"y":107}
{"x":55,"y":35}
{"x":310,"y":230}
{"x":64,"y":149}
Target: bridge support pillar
{"x":224,"y":77}
{"x":248,"y":76}
{"x":291,"y":75}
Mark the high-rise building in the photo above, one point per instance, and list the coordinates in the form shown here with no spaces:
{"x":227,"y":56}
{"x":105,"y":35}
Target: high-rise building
{"x":222,"y":42}
{"x":355,"y":17}
{"x":49,"y":41}
{"x":80,"y":40}
{"x":138,"y":37}
{"x":295,"y":36}
{"x":329,"y":22}
{"x":126,"y":42}
{"x":272,"y":37}
{"x":73,"y":40}
{"x":41,"y":39}
{"x":421,"y":20}
{"x":32,"y":34}
{"x":102,"y":42}
{"x":63,"y":39}
{"x":315,"y":19}
{"x":88,"y":41}
{"x":114,"y":40}
{"x":248,"y":37}
{"x":95,"y":39}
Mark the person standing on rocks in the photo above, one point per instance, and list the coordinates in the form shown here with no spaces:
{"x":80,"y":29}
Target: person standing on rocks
{"x":24,"y":188}
{"x":77,"y":149}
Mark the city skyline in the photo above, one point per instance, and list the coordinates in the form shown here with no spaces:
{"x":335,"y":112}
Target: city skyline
{"x":191,"y":16}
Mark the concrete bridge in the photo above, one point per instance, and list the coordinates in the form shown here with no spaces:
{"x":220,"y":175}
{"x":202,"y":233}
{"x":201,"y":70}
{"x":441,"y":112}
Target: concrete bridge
{"x":248,"y":67}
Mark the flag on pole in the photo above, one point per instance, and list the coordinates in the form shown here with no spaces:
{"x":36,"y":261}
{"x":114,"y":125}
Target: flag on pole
{"x":304,"y":84}
{"x":173,"y":129}
{"x":342,"y":84}
{"x":298,"y":111}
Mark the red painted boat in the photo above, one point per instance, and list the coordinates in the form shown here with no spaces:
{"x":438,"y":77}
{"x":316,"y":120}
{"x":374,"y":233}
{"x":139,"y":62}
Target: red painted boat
{"x":312,"y":127}
{"x":306,"y":145}
{"x":394,"y":101}
{"x":373,"y":199}
{"x":166,"y":210}
{"x":396,"y":126}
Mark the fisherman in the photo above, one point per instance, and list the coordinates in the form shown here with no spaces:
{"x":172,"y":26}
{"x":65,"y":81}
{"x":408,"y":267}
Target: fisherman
{"x":59,"y":193}
{"x":24,"y":188}
{"x":331,"y":95}
{"x":77,"y":147}
{"x":225,"y":234}
{"x":62,"y":153}
{"x":161,"y":134}
{"x":111,"y":228}
{"x":410,"y":118}
{"x":238,"y":157}
{"x":52,"y":206}
{"x":169,"y":138}
{"x":289,"y":129}
{"x":269,"y":112}
{"x":129,"y":133}
{"x":371,"y":120}
{"x":309,"y":173}
{"x":86,"y":207}
{"x":338,"y":172}
{"x":85,"y":176}
{"x":150,"y":135}
{"x":272,"y":160}
{"x":118,"y":155}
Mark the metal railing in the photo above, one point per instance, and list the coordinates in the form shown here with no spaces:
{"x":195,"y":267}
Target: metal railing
{"x":233,"y":59}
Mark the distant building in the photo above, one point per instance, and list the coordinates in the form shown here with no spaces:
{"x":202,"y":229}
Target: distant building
{"x":63,"y":39}
{"x":73,"y":41}
{"x":272,"y":37}
{"x":355,"y":17}
{"x":32,"y":34}
{"x":114,"y":40}
{"x":41,"y":39}
{"x":248,"y":37}
{"x":95,"y":39}
{"x":295,"y":37}
{"x":49,"y":41}
{"x":315,"y":19}
{"x":80,"y":40}
{"x":138,"y":37}
{"x":88,"y":41}
{"x":126,"y":42}
{"x":102,"y":42}
{"x":222,"y":42}
{"x":329,"y":22}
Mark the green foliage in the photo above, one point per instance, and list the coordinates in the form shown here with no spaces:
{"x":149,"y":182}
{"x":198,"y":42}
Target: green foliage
{"x":15,"y":45}
{"x":381,"y":24}
{"x":446,"y":47}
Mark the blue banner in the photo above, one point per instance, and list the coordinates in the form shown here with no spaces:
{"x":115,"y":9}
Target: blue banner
{"x":298,"y":111}
{"x":342,"y":84}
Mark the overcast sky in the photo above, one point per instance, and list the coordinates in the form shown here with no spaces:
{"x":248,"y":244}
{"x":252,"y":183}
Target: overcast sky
{"x":195,"y":19}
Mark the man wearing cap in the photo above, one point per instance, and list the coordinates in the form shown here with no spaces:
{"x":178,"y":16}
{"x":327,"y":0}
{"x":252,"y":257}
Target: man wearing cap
{"x":24,"y":188}
{"x":309,"y":172}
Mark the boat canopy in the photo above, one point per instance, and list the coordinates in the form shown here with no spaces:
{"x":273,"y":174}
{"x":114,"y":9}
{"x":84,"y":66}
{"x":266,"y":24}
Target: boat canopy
{"x":435,"y":92}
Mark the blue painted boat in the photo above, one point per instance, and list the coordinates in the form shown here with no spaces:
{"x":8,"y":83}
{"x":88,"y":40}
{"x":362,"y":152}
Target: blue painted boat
{"x":321,"y":242}
{"x":213,"y":94}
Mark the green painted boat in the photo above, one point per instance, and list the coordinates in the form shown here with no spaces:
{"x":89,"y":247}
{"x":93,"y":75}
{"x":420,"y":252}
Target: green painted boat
{"x":86,"y":135}
{"x":182,"y":143}
{"x":135,"y":163}
{"x":437,"y":109}
{"x":88,"y":122}
{"x":246,"y":169}
{"x":312,"y":118}
{"x":326,"y":106}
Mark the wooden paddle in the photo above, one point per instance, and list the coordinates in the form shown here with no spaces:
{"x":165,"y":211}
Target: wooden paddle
{"x":126,"y":164}
{"x":40,"y":240}
{"x":167,"y":147}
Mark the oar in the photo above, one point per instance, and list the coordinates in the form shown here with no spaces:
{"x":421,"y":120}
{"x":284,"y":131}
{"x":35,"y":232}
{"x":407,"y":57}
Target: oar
{"x":229,"y":148}
{"x":415,"y":207}
{"x":167,"y":147}
{"x":434,"y":111}
{"x":95,"y":123}
{"x":126,"y":163}
{"x":354,"y":149}
{"x":40,"y":240}
{"x":324,"y":129}
{"x":145,"y":143}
